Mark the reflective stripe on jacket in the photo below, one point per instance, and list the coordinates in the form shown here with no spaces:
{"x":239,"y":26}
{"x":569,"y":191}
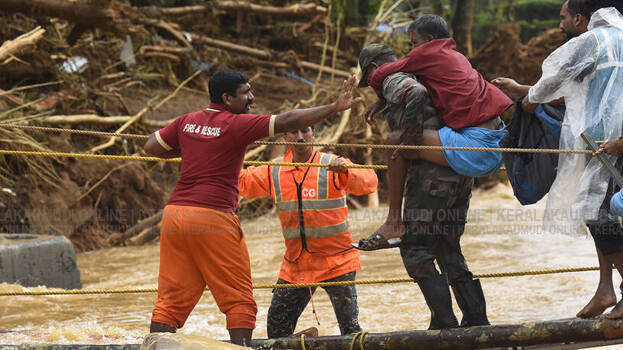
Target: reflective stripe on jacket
{"x":316,"y":198}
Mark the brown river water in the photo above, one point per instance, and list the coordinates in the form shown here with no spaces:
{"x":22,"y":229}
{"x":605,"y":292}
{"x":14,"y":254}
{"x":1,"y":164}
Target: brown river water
{"x":501,"y":236}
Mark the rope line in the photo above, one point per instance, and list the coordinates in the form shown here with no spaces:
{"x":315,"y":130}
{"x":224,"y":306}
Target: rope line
{"x":75,"y":131}
{"x":176,"y":160}
{"x":361,"y":335}
{"x":303,"y":285}
{"x":317,"y":144}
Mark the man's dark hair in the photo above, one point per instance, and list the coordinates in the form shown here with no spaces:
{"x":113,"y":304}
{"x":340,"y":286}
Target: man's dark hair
{"x":225,"y":81}
{"x":432,"y":25}
{"x":582,"y":7}
{"x":586,"y":8}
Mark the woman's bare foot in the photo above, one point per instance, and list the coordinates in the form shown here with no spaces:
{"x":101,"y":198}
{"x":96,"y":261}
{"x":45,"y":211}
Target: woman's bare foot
{"x":598,"y":304}
{"x":617,"y":312}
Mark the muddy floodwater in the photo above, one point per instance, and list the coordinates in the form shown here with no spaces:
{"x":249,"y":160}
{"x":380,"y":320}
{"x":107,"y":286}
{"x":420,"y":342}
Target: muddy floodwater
{"x":500,"y":237}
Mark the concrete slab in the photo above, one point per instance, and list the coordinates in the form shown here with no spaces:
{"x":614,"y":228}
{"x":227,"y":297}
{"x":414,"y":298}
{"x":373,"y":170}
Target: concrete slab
{"x":38,"y":260}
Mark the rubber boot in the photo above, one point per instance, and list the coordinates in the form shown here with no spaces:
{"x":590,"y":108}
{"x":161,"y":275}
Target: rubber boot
{"x":471,"y":300}
{"x":437,"y":295}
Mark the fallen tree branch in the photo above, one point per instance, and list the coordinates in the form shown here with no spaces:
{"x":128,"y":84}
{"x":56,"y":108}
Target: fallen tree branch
{"x":252,"y":153}
{"x":292,"y":10}
{"x":173,"y":50}
{"x":80,"y":13}
{"x":78,"y":119}
{"x":308,"y":25}
{"x":297,"y":10}
{"x":139,"y":228}
{"x":25,"y":105}
{"x":84,"y":119}
{"x":145,"y":236}
{"x":143,"y":224}
{"x":169,"y":27}
{"x":27,"y":87}
{"x":21,"y":43}
{"x":168,"y":56}
{"x":324,"y":69}
{"x":231,"y":47}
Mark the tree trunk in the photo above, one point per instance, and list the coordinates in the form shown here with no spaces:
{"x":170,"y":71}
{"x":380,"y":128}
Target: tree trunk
{"x":84,"y":14}
{"x":462,"y":25}
{"x":565,"y":331}
{"x":232,"y":7}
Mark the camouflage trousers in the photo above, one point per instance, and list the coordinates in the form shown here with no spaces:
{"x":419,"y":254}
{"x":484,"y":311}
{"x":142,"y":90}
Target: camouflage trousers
{"x":288,"y":304}
{"x":435,"y":211}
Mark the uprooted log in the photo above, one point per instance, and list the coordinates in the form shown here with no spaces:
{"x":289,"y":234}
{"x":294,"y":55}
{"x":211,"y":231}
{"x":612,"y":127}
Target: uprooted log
{"x":83,"y":14}
{"x":262,"y":54}
{"x":147,"y":235}
{"x":574,"y":330}
{"x":22,"y":42}
{"x":145,"y":225}
{"x":298,"y":10}
{"x":32,"y":72}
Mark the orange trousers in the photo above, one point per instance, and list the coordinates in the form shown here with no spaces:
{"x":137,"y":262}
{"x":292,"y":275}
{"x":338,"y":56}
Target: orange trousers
{"x":199,"y":247}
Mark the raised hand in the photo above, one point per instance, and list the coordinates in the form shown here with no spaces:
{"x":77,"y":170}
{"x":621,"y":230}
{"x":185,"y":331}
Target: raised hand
{"x":345,"y":99}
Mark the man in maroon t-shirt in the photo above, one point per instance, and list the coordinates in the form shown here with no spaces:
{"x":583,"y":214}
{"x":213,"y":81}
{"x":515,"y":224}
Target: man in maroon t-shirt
{"x":201,"y":241}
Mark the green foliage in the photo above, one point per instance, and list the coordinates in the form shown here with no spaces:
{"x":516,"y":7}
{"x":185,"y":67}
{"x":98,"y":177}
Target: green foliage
{"x":535,"y":28}
{"x":533,"y":17}
{"x":355,"y":13}
{"x":539,"y":10}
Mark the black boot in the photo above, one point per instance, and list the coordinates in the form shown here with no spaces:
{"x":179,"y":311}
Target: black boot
{"x":471,"y":300}
{"x":437,"y":295}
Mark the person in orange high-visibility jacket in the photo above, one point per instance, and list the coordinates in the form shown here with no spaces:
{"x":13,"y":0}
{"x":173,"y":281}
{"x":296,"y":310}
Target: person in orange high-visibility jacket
{"x":311,"y":203}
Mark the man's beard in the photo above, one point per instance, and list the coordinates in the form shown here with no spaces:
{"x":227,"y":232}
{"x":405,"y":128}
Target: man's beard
{"x":570,"y":35}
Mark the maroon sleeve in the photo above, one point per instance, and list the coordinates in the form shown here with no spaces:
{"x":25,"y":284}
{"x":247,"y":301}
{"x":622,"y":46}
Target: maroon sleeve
{"x":407,"y":64}
{"x":252,"y":127}
{"x":169,"y":135}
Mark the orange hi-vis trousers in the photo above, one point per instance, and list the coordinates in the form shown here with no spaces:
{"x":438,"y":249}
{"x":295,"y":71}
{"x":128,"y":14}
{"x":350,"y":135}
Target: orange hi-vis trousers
{"x":199,"y":247}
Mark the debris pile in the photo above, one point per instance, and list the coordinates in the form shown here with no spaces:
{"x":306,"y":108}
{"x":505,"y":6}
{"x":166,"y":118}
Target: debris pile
{"x":105,"y":65}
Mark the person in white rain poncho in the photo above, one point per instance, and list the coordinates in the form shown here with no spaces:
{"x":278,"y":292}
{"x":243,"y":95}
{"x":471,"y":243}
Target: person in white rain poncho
{"x":587,"y":72}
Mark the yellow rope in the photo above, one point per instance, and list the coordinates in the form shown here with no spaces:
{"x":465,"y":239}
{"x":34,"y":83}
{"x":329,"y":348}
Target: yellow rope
{"x":317,"y":144}
{"x":75,"y":131}
{"x":303,"y":341}
{"x":85,"y":155}
{"x":361,"y":335}
{"x":361,"y":338}
{"x":352,"y":342}
{"x":175,"y":160}
{"x":303,"y":285}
